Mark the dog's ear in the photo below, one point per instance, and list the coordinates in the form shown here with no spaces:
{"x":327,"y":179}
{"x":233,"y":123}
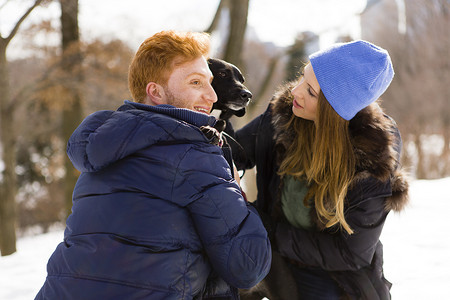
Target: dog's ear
{"x":240,"y":113}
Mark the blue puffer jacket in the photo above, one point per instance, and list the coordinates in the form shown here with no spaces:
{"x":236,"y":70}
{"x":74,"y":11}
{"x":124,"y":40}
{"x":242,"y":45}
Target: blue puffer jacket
{"x":156,"y":213}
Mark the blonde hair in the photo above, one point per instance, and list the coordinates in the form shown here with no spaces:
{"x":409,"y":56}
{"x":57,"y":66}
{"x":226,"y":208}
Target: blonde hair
{"x":322,"y":153}
{"x":159,"y":54}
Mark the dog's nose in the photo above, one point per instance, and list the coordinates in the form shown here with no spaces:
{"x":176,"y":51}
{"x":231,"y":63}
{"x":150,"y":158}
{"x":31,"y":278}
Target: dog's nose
{"x":246,"y":95}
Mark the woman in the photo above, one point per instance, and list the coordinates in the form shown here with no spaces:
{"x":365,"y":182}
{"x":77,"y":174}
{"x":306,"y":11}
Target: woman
{"x":328,"y":173}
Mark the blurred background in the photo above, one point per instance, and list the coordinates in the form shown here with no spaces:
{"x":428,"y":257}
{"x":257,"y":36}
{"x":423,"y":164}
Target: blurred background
{"x":61,"y":60}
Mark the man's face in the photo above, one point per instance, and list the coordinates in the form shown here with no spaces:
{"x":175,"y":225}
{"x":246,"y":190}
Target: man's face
{"x":189,"y":86}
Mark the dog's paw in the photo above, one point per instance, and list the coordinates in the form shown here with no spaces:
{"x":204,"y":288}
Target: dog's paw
{"x":213,"y":135}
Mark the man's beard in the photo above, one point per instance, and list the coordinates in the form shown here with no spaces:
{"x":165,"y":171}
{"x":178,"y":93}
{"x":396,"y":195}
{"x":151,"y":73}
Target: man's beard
{"x":172,"y":100}
{"x":170,"y":96}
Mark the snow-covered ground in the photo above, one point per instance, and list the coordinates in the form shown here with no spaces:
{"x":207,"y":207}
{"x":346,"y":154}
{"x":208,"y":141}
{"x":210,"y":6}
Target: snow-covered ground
{"x":417,"y":243}
{"x":416,"y":250}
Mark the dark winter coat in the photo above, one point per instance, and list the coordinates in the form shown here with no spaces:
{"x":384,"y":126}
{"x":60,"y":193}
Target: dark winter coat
{"x":156,"y":213}
{"x":353,"y":261}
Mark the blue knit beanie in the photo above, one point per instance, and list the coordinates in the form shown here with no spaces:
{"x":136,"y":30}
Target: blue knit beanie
{"x":352,"y":75}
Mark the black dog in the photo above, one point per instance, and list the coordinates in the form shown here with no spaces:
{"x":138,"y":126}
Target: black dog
{"x":232,"y":95}
{"x":232,"y":99}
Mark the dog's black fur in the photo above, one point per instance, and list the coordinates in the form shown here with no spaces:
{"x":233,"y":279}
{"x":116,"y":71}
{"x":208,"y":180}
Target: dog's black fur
{"x":232,"y":99}
{"x":279,"y":284}
{"x":228,"y":83}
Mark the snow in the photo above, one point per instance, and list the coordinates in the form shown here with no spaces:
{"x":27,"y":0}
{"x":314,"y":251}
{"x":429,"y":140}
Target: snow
{"x":416,"y":250}
{"x":417,"y":243}
{"x":23,"y":273}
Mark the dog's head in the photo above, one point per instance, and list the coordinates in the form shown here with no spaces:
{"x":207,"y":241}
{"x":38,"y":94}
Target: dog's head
{"x":232,"y":95}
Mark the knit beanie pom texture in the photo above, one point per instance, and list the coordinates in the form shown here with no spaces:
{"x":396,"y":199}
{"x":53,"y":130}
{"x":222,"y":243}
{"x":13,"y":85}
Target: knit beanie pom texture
{"x":352,"y":75}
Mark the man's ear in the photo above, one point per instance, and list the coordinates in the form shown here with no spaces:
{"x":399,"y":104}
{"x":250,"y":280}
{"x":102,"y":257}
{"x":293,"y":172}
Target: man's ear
{"x":155,"y":93}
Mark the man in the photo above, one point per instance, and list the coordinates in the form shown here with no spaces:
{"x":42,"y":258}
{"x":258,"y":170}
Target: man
{"x":156,"y":212}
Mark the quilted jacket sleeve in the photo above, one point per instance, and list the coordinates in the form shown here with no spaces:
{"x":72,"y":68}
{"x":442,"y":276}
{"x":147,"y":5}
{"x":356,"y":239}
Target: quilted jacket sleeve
{"x":231,"y":231}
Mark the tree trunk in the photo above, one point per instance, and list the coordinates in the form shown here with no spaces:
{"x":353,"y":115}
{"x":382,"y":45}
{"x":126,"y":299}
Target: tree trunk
{"x":216,"y":19}
{"x":445,"y":155}
{"x":238,"y":25}
{"x":8,"y":178}
{"x":265,"y":83}
{"x":72,"y":109}
{"x":421,"y":172}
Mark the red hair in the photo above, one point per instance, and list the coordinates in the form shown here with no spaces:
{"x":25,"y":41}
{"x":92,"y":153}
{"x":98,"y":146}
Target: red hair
{"x":159,"y":54}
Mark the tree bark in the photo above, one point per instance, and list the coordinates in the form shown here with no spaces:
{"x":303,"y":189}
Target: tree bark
{"x":222,"y":5}
{"x":421,"y":172}
{"x":72,"y":109}
{"x":238,"y":25}
{"x":267,"y":78}
{"x":8,"y":180}
{"x":445,"y":155}
{"x":8,"y":186}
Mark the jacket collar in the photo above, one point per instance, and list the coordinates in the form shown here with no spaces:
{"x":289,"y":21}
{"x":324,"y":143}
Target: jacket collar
{"x":187,"y":115}
{"x":105,"y":137}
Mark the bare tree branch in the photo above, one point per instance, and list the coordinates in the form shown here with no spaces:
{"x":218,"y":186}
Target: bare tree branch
{"x":25,"y":15}
{"x":265,"y":83}
{"x":238,"y":25}
{"x":215,"y":21}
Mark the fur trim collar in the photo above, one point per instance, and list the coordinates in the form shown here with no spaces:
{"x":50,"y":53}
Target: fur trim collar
{"x":375,"y":139}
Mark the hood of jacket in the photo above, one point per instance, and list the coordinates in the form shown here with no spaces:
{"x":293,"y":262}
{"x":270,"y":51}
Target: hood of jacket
{"x":375,"y":138}
{"x":105,"y":137}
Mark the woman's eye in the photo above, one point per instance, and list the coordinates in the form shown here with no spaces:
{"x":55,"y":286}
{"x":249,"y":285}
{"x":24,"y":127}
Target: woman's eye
{"x":196,"y":82}
{"x":309,"y":91}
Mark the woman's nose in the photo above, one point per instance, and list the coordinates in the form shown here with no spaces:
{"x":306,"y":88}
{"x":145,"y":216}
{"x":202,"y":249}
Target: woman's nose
{"x":295,"y":90}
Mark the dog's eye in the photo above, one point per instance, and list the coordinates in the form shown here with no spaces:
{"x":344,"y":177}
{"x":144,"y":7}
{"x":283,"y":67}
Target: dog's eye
{"x":222,"y":74}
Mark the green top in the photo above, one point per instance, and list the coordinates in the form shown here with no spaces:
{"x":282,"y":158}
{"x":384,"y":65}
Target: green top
{"x":292,"y":195}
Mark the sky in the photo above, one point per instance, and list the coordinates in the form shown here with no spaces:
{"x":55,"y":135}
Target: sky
{"x":416,"y":250}
{"x":277,"y":21}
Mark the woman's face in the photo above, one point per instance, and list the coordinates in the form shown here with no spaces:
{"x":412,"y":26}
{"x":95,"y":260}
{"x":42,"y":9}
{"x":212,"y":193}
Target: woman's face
{"x":306,"y":95}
